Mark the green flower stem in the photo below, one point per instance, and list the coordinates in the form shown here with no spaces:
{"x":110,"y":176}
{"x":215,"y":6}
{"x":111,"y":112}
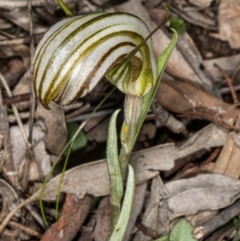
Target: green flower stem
{"x":136,"y":111}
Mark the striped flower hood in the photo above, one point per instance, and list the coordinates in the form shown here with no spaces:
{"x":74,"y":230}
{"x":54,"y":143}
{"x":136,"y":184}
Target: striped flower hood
{"x":78,"y":51}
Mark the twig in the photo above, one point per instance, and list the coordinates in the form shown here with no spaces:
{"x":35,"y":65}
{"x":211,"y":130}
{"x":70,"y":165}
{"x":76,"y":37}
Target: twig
{"x":29,"y":153}
{"x":23,"y":116}
{"x":190,"y":20}
{"x":35,"y":214}
{"x":13,"y":211}
{"x":44,"y":14}
{"x":229,"y":81}
{"x":32,"y":93}
{"x":25,"y":229}
{"x":20,"y":41}
{"x":23,"y":3}
{"x":4,"y":130}
{"x":15,"y":110}
{"x":16,"y":99}
{"x":221,"y":219}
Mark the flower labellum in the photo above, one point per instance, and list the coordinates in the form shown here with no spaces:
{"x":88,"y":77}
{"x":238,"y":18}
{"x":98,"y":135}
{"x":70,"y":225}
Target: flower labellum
{"x":77,"y":52}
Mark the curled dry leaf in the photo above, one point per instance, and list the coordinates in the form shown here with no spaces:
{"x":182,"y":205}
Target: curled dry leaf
{"x":227,"y":162}
{"x":19,"y":149}
{"x":56,"y":134}
{"x":195,"y":102}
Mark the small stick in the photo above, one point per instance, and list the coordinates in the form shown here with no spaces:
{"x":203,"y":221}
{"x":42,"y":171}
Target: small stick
{"x":229,"y":81}
{"x":15,"y":110}
{"x":16,"y":99}
{"x":221,"y":219}
{"x":13,"y":211}
{"x":9,"y":169}
{"x":20,"y":41}
{"x":25,"y":229}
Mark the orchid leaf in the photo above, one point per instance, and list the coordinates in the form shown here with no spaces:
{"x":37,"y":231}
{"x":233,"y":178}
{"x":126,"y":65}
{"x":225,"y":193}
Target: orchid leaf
{"x":122,"y":222}
{"x":114,"y":169}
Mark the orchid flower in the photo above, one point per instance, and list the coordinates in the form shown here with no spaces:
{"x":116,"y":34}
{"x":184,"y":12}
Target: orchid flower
{"x":76,"y":53}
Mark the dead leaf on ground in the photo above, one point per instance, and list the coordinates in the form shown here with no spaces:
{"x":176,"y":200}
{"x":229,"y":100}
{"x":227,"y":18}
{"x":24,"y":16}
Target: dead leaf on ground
{"x":204,"y":192}
{"x":229,"y":14}
{"x":54,"y":120}
{"x":195,"y":102}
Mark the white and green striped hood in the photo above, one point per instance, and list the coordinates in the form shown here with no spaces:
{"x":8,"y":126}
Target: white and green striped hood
{"x":78,"y":51}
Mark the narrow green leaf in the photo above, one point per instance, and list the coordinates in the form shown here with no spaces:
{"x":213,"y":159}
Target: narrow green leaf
{"x":182,"y":231}
{"x":65,"y":8}
{"x":114,"y":169}
{"x":122,"y":222}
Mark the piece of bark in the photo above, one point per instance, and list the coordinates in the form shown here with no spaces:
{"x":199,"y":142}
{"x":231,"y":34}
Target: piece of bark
{"x":73,"y":215}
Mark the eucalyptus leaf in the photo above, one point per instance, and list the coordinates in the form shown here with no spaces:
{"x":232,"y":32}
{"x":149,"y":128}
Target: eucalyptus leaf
{"x":182,"y":231}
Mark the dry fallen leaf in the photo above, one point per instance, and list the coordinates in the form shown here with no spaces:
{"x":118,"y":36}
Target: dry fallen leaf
{"x":201,"y":193}
{"x":228,"y":18}
{"x":19,"y":149}
{"x":146,"y":163}
{"x":150,"y":216}
{"x":195,"y":102}
{"x":9,"y":199}
{"x":201,"y":3}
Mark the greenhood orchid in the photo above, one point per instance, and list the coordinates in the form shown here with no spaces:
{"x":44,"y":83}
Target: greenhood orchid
{"x":77,"y":52}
